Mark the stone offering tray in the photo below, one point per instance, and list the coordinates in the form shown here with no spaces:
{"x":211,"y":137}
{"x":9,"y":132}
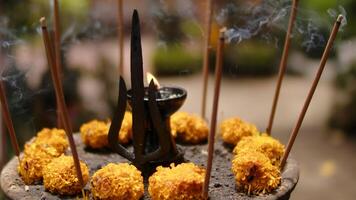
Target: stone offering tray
{"x":222,"y":184}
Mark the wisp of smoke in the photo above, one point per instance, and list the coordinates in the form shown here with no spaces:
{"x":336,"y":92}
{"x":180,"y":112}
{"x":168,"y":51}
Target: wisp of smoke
{"x":257,"y":20}
{"x":335,"y":12}
{"x":250,"y":19}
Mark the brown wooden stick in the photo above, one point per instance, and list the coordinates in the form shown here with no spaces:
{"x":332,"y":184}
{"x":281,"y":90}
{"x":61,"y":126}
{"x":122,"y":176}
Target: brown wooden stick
{"x":8,"y":121}
{"x":206,"y":56}
{"x":218,"y":71}
{"x":3,"y":143}
{"x":283,"y":64}
{"x":60,"y":96}
{"x":312,"y":89}
{"x":57,"y":50}
{"x":120,"y":28}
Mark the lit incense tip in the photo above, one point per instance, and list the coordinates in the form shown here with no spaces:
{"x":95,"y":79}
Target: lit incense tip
{"x":340,"y":18}
{"x":222,"y":32}
{"x":43,"y":22}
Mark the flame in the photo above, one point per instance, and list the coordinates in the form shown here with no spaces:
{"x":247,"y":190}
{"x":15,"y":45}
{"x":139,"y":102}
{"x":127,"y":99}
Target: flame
{"x":150,"y":77}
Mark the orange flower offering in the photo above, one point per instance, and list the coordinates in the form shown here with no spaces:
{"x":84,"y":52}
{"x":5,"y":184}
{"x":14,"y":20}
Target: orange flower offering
{"x":117,"y":181}
{"x":54,"y":137}
{"x":95,"y":133}
{"x":189,"y":128}
{"x":234,"y":129}
{"x":254,"y":173}
{"x":265,"y":144}
{"x":60,"y":177}
{"x":49,"y":144}
{"x":35,"y":158}
{"x":181,"y":182}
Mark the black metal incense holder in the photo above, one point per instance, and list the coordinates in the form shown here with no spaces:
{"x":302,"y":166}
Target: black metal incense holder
{"x":151,"y":108}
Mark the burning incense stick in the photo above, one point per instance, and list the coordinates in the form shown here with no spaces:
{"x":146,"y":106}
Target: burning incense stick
{"x":60,"y":97}
{"x":312,"y":89}
{"x":206,"y":55}
{"x":57,"y":50}
{"x":8,"y":120}
{"x":218,"y":70}
{"x":120,"y":28}
{"x":283,"y":64}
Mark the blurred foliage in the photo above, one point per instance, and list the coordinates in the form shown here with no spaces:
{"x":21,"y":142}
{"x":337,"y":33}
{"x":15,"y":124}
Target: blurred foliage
{"x":164,"y":24}
{"x":24,"y":15}
{"x":252,"y":36}
{"x":323,"y":11}
{"x":322,"y":6}
{"x":316,"y":18}
{"x":191,"y":29}
{"x":175,"y":60}
{"x":345,"y":80}
{"x":267,"y":20}
{"x":344,"y":115}
{"x":250,"y":58}
{"x":1,"y":195}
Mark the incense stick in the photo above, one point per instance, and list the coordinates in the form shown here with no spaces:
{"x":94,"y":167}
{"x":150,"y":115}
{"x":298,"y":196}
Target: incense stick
{"x":8,"y":120}
{"x":206,"y":56}
{"x":218,"y":71}
{"x":57,"y":50}
{"x":60,"y":96}
{"x":283,"y":64}
{"x":120,"y":28}
{"x":312,"y":89}
{"x":3,"y":142}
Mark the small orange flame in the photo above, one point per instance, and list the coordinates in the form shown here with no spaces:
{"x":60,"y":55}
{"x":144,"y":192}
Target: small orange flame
{"x":150,"y":77}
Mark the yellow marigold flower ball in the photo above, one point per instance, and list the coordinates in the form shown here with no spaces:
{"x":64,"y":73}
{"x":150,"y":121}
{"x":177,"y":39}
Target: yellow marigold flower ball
{"x":189,"y":128}
{"x":95,"y":133}
{"x":181,"y":182}
{"x":125,"y":134}
{"x":35,"y":158}
{"x":254,"y":173}
{"x":117,"y":181}
{"x":234,"y":129}
{"x":60,"y":177}
{"x":55,"y":138}
{"x":265,"y":144}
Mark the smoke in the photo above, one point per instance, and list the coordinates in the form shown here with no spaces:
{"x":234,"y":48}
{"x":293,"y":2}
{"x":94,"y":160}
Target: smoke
{"x":266,"y":21}
{"x":312,"y":38}
{"x":250,"y":19}
{"x":95,"y":30}
{"x":333,"y":13}
{"x":8,"y":39}
{"x":184,"y":8}
{"x":244,"y":21}
{"x":182,"y":15}
{"x":13,"y":76}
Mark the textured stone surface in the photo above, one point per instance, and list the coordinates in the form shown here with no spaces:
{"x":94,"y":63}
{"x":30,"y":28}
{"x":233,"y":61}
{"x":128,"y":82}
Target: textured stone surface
{"x":222,"y":184}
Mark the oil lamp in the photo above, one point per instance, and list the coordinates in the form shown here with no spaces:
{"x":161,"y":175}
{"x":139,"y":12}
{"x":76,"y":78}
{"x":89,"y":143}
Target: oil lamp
{"x":151,"y":107}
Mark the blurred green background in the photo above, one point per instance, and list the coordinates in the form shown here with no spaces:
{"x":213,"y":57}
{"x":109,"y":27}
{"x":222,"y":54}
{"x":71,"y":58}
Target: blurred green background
{"x":172,"y":44}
